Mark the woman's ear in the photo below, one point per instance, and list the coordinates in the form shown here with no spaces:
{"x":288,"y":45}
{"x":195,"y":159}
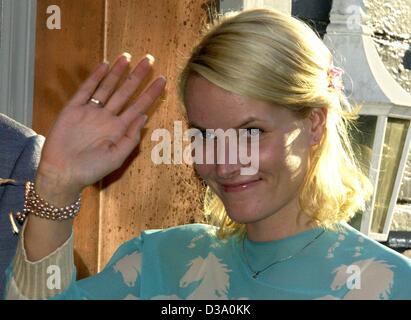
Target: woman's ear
{"x":318,"y":118}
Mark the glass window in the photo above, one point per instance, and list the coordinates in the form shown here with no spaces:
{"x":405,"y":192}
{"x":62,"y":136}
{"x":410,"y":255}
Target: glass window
{"x":362,"y":139}
{"x":395,"y":135}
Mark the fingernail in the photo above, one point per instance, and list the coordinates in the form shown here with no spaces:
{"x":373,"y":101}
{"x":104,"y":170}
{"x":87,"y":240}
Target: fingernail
{"x":127,"y":55}
{"x":164,"y":80}
{"x":145,"y":118}
{"x":150,"y":59}
{"x":103,"y":66}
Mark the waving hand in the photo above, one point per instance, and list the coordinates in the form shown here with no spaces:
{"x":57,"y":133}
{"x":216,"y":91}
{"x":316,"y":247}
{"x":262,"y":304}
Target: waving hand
{"x":94,"y":133}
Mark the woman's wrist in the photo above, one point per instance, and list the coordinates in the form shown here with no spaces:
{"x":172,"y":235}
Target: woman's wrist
{"x":55,"y":190}
{"x":43,"y":233}
{"x":35,"y":204}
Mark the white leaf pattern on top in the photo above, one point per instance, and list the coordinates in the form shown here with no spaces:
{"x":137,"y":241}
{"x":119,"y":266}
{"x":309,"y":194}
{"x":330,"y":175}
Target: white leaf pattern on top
{"x":212,"y":275}
{"x":193,"y":241}
{"x":331,"y":250}
{"x":130,"y":268}
{"x":166,"y":297}
{"x":370,"y":289}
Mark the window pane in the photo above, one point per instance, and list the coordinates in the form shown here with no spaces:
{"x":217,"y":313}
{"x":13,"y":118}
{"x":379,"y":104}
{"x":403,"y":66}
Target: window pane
{"x":405,"y":191}
{"x":362,"y":139}
{"x":393,"y":147}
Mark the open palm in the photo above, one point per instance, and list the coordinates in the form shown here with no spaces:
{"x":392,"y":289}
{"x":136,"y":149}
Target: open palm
{"x":89,"y":140}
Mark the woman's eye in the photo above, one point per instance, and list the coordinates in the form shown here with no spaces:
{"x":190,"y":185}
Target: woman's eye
{"x":207,"y":134}
{"x":247,"y":132}
{"x":253,"y":132}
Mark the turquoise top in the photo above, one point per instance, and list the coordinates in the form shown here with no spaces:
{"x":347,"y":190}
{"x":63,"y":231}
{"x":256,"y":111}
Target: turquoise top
{"x":189,"y":262}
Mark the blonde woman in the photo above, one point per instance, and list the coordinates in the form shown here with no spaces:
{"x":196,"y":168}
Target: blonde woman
{"x":279,"y":233}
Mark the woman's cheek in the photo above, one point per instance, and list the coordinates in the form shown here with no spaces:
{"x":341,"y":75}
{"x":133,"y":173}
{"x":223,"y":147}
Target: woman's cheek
{"x":294,"y":163}
{"x":270,"y":154}
{"x":203,"y":170}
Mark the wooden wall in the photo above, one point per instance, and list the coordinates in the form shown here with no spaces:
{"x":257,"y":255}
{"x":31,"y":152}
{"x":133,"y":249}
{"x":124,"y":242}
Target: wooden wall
{"x":140,"y":195}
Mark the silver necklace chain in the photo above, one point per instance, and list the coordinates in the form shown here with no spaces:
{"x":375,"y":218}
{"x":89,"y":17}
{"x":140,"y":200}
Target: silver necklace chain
{"x":256,"y":273}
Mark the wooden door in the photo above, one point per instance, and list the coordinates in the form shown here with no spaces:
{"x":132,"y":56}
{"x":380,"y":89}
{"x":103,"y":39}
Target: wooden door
{"x":140,"y":195}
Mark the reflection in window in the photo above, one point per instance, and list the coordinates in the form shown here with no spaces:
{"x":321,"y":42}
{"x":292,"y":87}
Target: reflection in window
{"x":362,"y":138}
{"x":395,"y":135}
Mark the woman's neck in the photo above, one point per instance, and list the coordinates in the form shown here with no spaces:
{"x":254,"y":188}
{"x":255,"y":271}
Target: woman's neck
{"x":284,"y":223}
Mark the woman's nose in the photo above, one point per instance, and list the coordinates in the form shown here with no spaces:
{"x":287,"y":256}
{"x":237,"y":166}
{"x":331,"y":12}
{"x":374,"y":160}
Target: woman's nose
{"x":227,"y":171}
{"x":227,"y":164}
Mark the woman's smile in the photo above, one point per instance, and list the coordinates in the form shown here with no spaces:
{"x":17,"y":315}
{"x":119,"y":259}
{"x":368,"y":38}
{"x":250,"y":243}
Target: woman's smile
{"x":239,"y":186}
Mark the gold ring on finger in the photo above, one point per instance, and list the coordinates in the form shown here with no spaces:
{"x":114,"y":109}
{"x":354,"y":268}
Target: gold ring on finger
{"x":97,"y":102}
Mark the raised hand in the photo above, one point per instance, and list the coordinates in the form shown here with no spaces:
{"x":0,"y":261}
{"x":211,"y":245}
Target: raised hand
{"x":90,"y":139}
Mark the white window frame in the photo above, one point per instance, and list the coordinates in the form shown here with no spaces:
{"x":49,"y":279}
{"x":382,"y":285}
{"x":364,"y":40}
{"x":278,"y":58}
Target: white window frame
{"x":17,"y":52}
{"x":383,"y":112}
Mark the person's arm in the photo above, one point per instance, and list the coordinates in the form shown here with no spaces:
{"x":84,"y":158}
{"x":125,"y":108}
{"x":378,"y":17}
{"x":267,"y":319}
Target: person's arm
{"x":86,"y":143}
{"x":40,"y":279}
{"x":20,"y":150}
{"x":120,"y":279}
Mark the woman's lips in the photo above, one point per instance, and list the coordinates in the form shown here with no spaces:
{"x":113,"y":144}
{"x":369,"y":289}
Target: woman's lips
{"x":238,"y":187}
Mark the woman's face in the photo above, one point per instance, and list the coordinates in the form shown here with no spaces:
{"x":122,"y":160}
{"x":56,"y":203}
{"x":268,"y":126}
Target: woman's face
{"x":284,"y":147}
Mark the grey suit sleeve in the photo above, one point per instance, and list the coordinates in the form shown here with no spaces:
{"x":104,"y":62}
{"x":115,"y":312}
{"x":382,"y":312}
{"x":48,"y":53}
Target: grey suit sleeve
{"x":12,"y":198}
{"x":24,"y":170}
{"x":27,"y":163}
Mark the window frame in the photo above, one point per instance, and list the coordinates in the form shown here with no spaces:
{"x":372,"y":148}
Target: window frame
{"x":17,"y":59}
{"x":383,"y":112}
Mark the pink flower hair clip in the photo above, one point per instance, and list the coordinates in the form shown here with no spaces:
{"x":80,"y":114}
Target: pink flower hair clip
{"x":335,"y":78}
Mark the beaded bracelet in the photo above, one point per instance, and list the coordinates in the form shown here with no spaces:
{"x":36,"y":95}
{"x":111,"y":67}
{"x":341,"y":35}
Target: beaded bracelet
{"x":36,"y":205}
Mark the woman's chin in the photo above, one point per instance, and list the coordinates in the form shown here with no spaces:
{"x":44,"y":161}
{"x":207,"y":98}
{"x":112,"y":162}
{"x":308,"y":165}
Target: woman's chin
{"x":243,"y":216}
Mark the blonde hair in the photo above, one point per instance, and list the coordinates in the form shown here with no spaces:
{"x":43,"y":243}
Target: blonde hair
{"x":268,"y":56}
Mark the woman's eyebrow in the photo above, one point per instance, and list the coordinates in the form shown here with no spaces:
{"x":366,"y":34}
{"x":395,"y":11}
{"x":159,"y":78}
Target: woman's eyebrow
{"x":245,"y":123}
